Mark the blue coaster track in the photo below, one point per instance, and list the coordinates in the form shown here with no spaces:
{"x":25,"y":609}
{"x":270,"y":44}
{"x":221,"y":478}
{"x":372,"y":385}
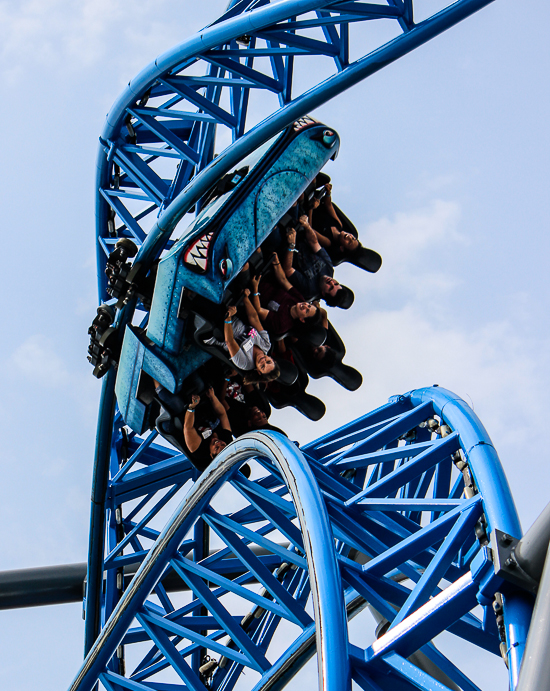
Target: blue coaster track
{"x":391,"y":514}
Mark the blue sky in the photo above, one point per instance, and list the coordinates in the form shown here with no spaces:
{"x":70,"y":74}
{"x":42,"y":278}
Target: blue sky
{"x":444,"y":169}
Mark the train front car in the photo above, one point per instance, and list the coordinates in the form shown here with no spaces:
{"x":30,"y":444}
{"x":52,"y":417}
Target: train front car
{"x":236,"y":217}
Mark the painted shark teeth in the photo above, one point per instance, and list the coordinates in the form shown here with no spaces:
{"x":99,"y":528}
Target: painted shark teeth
{"x":303,"y":122}
{"x":197,"y":254}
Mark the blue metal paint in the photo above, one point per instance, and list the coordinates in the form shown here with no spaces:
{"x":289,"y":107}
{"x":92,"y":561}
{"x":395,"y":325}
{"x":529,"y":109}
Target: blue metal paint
{"x":236,"y":223}
{"x":518,"y":609}
{"x":410,"y":672}
{"x":324,"y":573}
{"x":497,"y":498}
{"x":425,"y":460}
{"x":440,"y":563}
{"x":482,"y":457}
{"x":100,"y":480}
{"x":382,"y":535}
{"x":140,"y":354}
{"x":262,"y":197}
{"x":419,"y":628}
{"x":374,"y":533}
{"x":222,"y":33}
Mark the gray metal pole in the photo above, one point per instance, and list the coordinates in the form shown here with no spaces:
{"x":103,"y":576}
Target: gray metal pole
{"x":531,"y":550}
{"x":58,"y":585}
{"x":46,"y":585}
{"x":535,"y":669}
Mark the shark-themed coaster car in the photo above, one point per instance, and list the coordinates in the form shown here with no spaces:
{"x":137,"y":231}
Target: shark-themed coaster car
{"x":235,"y":218}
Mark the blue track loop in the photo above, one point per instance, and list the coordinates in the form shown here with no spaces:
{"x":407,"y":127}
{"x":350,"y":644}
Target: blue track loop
{"x":279,"y":26}
{"x":186,"y":88}
{"x":482,"y":457}
{"x":393,"y":510}
{"x":498,"y":502}
{"x":318,"y":545}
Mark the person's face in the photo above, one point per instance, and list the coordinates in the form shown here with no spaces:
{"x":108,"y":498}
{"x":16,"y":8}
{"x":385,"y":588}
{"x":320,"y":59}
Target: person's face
{"x":348,"y":241}
{"x":319,"y":352}
{"x":329,"y":286}
{"x":257,"y":417}
{"x":216,"y":445}
{"x":305,"y":310}
{"x":264,"y":363}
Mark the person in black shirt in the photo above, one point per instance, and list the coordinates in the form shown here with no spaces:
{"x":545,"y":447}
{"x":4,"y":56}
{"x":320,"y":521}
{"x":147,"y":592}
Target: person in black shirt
{"x":203,"y":450}
{"x":258,"y":420}
{"x":313,"y":273}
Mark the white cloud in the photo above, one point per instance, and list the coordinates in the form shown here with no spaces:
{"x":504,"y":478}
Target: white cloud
{"x":37,"y":360}
{"x":416,"y":342}
{"x":54,"y":33}
{"x":411,"y":340}
{"x":404,"y":349}
{"x":411,"y":244}
{"x":411,"y":232}
{"x":401,"y":336}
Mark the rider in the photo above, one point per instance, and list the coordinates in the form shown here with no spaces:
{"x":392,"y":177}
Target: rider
{"x":203,"y":448}
{"x":313,"y":274}
{"x":249,"y":346}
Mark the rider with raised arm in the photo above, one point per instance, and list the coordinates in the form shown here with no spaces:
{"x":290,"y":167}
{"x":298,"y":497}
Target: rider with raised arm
{"x":249,"y":346}
{"x":283,"y":304}
{"x":202,"y":450}
{"x":312,"y":272}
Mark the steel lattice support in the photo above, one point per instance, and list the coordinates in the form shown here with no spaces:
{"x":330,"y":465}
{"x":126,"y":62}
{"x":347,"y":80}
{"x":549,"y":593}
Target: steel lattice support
{"x":157,"y":147}
{"x":393,"y":510}
{"x":156,"y":150}
{"x":402,"y":499}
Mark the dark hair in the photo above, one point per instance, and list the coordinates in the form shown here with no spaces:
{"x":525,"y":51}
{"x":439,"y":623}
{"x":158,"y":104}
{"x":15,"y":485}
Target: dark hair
{"x":255,"y":377}
{"x":314,"y":319}
{"x":248,"y":413}
{"x":329,"y":358}
{"x":350,"y":253}
{"x":343,"y":298}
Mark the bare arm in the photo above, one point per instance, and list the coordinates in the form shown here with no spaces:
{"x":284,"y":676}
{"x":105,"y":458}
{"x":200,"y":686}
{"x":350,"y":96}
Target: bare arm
{"x":253,"y":315}
{"x":280,"y":274}
{"x":322,"y":240}
{"x":262,"y":312}
{"x":190,"y":434}
{"x":230,"y":342}
{"x":329,"y":207}
{"x":218,"y":408}
{"x":311,"y":236}
{"x":289,"y":254}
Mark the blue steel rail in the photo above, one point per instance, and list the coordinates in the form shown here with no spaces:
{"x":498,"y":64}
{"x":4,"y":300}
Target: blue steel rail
{"x":158,"y":158}
{"x":392,"y":511}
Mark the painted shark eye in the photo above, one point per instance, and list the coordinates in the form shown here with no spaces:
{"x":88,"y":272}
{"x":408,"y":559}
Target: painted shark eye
{"x":328,"y":138}
{"x":226,"y":267}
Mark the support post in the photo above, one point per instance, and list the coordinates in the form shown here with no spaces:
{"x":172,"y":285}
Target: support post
{"x":535,"y":669}
{"x":531,"y":550}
